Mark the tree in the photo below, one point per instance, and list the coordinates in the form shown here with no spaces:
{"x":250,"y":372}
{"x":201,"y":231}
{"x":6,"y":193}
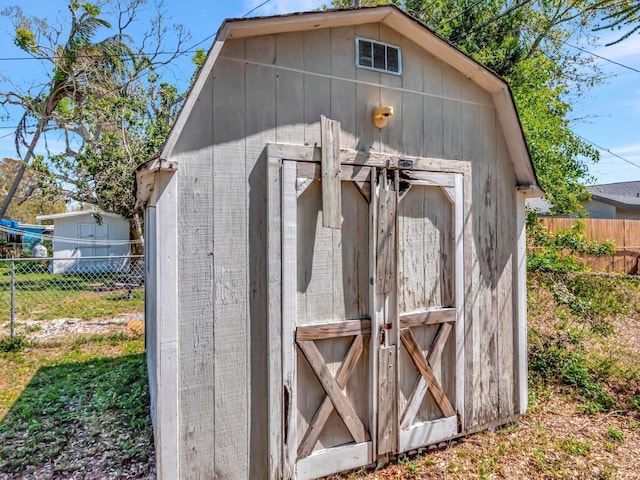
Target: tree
{"x":523,"y":41}
{"x":622,"y":14}
{"x":104,"y":97}
{"x":30,"y":201}
{"x":80,"y":66}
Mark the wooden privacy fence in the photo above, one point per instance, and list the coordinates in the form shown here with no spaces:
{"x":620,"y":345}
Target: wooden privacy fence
{"x":625,"y":234}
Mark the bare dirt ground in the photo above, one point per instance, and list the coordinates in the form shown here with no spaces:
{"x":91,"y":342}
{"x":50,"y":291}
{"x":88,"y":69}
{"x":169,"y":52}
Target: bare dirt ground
{"x":45,"y":330}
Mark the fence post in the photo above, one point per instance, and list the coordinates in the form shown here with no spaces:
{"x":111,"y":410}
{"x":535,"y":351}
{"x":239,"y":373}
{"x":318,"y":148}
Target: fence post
{"x":13,"y":295}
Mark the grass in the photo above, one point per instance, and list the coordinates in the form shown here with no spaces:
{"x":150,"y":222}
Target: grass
{"x":76,"y":406}
{"x":46,"y":296}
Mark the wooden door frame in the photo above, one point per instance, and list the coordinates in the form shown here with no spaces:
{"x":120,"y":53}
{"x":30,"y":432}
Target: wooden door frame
{"x":281,"y":224}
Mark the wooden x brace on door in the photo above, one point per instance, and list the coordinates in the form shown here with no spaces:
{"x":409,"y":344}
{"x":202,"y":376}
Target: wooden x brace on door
{"x":427,"y":380}
{"x":335,"y":397}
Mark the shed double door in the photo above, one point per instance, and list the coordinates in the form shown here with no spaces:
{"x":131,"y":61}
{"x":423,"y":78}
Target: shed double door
{"x":372,"y":315}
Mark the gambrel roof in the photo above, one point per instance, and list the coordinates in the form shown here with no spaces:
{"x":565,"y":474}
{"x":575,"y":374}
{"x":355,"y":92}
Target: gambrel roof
{"x":396,"y":19}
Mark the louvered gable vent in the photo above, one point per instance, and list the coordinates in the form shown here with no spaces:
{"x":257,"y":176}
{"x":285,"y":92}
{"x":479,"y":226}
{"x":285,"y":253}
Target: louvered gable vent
{"x":379,"y":56}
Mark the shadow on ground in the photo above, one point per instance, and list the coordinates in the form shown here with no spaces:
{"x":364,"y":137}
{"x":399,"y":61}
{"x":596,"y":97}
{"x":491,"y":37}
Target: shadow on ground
{"x":81,"y":420}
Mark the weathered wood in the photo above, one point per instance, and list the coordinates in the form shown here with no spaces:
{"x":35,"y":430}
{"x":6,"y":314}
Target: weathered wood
{"x":433,"y":179}
{"x":165,"y":366}
{"x":289,"y":307}
{"x":355,"y":173}
{"x":343,"y":88}
{"x":386,"y":236}
{"x":427,"y":433}
{"x":434,"y":359}
{"x":340,"y":402}
{"x":427,"y":317}
{"x":260,"y":122}
{"x":331,"y":193}
{"x":317,"y":88}
{"x":387,"y":437}
{"x":520,"y":287}
{"x":275,"y":400}
{"x":325,"y":462}
{"x":334,"y":329}
{"x":364,"y":187}
{"x":411,"y":344}
{"x":370,"y":159}
{"x":432,"y":106}
{"x":326,"y":407}
{"x":504,"y":285}
{"x":460,"y":213}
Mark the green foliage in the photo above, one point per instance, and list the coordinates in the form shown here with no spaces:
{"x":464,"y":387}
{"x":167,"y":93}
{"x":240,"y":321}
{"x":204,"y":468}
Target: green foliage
{"x":561,"y":251}
{"x":15,"y":344}
{"x":25,"y":39}
{"x":575,"y":447}
{"x":561,"y":358}
{"x":615,"y":434}
{"x":623,"y":14}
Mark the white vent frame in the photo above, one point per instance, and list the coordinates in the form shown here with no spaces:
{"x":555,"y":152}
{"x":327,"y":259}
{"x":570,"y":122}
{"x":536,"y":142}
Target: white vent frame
{"x":386,"y":45}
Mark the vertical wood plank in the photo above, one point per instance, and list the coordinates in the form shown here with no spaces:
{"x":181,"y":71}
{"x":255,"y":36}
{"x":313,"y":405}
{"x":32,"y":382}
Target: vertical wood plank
{"x":520,"y":287}
{"x":343,"y":93}
{"x":231,"y":265}
{"x":196,"y":420}
{"x":505,"y":255}
{"x":289,"y":309}
{"x":459,"y":279}
{"x":433,"y":108}
{"x":317,"y":89}
{"x":290,"y":87}
{"x":331,"y":192}
{"x":260,"y":111}
{"x":387,"y":437}
{"x":166,"y":368}
{"x":274,"y":312}
{"x":377,"y":315}
{"x":386,"y":233}
{"x":452,"y":116}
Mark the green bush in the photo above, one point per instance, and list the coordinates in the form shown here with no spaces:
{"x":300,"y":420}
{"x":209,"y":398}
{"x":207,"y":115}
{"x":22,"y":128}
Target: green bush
{"x":561,"y":357}
{"x":561,"y":251}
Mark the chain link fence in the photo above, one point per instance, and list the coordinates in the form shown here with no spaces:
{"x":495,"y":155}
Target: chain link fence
{"x":87,"y":288}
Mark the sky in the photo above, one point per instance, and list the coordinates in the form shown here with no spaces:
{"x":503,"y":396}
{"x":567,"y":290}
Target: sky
{"x":609,"y":114}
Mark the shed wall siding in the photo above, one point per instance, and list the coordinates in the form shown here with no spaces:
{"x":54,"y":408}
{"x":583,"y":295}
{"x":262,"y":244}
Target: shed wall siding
{"x":274,"y":88}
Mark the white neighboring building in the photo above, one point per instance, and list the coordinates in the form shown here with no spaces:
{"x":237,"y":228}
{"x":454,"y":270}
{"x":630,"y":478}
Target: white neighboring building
{"x":79,"y":235}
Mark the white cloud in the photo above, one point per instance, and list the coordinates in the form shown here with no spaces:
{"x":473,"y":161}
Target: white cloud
{"x":622,"y":149}
{"x":624,"y":50}
{"x":277,"y":7}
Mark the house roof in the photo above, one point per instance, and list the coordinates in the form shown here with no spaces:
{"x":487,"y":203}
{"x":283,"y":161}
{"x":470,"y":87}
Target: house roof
{"x":404,"y":24}
{"x":55,"y":216}
{"x":621,"y":194}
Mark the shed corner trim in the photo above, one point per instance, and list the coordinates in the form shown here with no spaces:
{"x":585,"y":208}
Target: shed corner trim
{"x":146,"y":179}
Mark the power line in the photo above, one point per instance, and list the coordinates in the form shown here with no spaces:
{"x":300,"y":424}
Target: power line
{"x":607,"y":150}
{"x":255,"y":8}
{"x":459,"y":14}
{"x":633,"y":69}
{"x":494,"y":19}
{"x":141,"y":54}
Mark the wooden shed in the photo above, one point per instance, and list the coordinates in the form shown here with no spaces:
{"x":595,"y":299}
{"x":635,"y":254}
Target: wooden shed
{"x":323,"y":292}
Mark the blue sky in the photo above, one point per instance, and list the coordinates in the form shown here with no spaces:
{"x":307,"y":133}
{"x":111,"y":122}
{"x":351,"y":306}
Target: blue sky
{"x":612,"y":109}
